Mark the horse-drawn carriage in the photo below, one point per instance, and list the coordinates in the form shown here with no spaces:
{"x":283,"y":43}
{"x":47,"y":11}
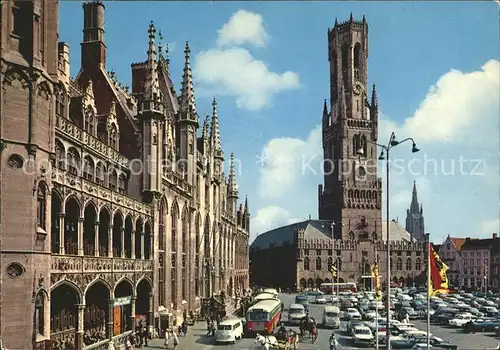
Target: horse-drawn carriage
{"x":309,"y":329}
{"x":282,"y":340}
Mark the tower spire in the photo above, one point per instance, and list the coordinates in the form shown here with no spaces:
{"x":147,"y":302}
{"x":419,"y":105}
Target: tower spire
{"x":233,"y":188}
{"x":414,"y":206}
{"x":215,"y":142}
{"x":246,"y":204}
{"x":152,"y":89}
{"x":325,"y":109}
{"x":187,"y":103}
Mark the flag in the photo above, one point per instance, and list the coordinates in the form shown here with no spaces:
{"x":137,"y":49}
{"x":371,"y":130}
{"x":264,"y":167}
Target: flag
{"x":376,"y":278}
{"x":438,"y":280}
{"x":333,"y":269}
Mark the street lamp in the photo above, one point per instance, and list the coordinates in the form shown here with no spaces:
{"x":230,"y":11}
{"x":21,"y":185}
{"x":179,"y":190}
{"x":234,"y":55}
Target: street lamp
{"x":332,"y":226}
{"x":393,"y":142}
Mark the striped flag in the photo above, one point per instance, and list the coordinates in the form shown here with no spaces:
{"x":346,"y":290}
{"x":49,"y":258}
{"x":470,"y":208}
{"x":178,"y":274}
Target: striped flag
{"x":376,"y":278}
{"x":333,"y":269}
{"x":438,"y":280}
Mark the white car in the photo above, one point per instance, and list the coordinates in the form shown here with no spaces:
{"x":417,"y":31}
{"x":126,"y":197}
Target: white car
{"x":229,"y":331}
{"x":320,"y":299}
{"x":362,"y":335}
{"x":353,"y":314}
{"x":462,"y":319}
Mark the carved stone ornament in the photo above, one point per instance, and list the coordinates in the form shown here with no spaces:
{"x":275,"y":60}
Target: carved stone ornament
{"x":15,"y":270}
{"x":16,"y":78}
{"x":15,"y":161}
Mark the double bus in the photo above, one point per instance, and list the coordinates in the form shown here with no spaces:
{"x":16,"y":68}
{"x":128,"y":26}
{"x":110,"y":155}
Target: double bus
{"x":264,"y":316}
{"x":341,"y":287}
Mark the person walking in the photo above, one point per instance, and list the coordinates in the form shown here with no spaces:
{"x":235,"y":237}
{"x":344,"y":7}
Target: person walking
{"x":175,"y":339}
{"x":167,"y":338}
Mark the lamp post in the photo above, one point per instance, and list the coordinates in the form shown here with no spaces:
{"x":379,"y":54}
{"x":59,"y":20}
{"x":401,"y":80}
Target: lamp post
{"x":387,"y":148}
{"x":332,"y":226}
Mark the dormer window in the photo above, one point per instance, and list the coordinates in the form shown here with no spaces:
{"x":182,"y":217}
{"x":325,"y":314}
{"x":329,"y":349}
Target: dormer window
{"x":90,"y":124}
{"x":113,"y":178}
{"x":60,"y":104}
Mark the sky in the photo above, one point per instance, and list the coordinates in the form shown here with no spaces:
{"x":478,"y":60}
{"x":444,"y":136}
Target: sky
{"x":435,"y":64}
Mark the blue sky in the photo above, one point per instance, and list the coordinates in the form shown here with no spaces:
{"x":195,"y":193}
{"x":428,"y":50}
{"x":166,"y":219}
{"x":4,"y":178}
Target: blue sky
{"x":412,"y":47}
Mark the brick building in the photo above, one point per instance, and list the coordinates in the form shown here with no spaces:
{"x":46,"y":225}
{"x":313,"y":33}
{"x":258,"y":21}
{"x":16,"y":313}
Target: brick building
{"x":89,"y":242}
{"x":349,"y":203}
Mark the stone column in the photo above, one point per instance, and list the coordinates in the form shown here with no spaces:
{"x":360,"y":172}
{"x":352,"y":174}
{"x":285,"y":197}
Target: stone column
{"x":110,"y":241}
{"x":79,"y":329}
{"x":80,"y":236}
{"x":109,"y":325}
{"x":61,"y":233}
{"x":142,"y":244}
{"x":150,"y":312}
{"x":132,"y":244}
{"x":132,"y":313}
{"x":151,"y":242}
{"x":122,"y":243}
{"x":96,"y":239}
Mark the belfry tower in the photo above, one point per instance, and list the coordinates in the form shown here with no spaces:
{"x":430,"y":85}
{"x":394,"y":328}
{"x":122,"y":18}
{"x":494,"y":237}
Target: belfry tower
{"x":351,"y":196}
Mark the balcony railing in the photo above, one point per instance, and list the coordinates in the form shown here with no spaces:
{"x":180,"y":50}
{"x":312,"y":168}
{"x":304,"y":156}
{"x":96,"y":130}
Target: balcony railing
{"x":89,"y":264}
{"x":69,"y":129}
{"x":91,"y":188}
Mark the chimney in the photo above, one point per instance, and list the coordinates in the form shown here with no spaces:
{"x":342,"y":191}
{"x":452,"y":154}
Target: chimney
{"x":495,"y":235}
{"x":93,"y":47}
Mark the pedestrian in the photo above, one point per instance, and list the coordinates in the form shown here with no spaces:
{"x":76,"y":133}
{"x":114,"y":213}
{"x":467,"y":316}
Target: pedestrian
{"x":209,"y":327}
{"x":145,"y":335}
{"x":213,"y":328}
{"x":167,"y":338}
{"x":128,"y":344}
{"x":175,"y":339}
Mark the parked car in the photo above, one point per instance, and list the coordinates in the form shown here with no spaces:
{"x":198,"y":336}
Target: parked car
{"x":320,"y":299}
{"x":482,"y":325}
{"x":412,"y":314}
{"x":353,"y":314}
{"x":461,"y":319}
{"x":362,"y":336}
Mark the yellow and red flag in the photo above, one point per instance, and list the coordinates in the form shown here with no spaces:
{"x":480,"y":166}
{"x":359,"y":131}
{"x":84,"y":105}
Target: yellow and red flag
{"x":437,"y":280}
{"x":376,"y":278}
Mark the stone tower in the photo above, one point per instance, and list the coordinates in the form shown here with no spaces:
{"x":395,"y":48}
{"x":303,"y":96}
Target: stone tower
{"x":29,"y":69}
{"x":415,"y":217}
{"x":351,"y":196}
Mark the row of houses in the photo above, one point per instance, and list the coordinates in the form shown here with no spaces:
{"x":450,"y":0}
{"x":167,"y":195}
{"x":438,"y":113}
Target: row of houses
{"x":474,"y":263}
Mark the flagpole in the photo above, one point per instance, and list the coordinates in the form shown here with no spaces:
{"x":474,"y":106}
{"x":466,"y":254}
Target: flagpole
{"x":376,"y":302}
{"x":428,"y":290}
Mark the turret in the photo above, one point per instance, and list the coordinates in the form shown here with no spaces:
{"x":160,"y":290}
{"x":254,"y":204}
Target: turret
{"x":205,"y":135}
{"x":215,"y":143}
{"x":246,"y":216}
{"x":187,"y":121}
{"x":326,"y":119}
{"x":232,"y":188}
{"x":374,"y":113}
{"x":151,"y":116}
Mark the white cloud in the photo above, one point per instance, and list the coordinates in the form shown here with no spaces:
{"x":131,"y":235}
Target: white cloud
{"x":456,"y":127}
{"x":171,"y":47}
{"x":283,"y":160}
{"x":233,"y":71}
{"x":268,"y":218}
{"x":243,"y":27}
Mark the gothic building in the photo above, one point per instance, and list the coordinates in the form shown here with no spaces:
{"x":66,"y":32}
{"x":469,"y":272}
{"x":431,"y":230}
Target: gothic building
{"x":350,"y":227}
{"x":415,"y":217}
{"x":114,"y":209}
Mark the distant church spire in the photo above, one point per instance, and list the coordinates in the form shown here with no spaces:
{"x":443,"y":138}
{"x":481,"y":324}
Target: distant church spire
{"x":415,"y":217}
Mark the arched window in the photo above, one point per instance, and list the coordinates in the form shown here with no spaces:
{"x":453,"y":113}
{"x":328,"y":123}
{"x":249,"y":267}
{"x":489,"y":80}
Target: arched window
{"x":90,"y":123}
{"x":408,"y":264}
{"x":88,"y":168}
{"x":113,"y":137}
{"x":390,"y":263}
{"x":318,"y":263}
{"x":363,"y":146}
{"x":185,"y":235}
{"x":351,"y":236}
{"x":418,"y":264}
{"x":60,"y":156}
{"x":99,"y":173}
{"x":334,"y":71}
{"x":357,"y":61}
{"x":339,"y":264}
{"x":330,"y":261}
{"x":122,"y":184}
{"x":355,"y":144}
{"x":306,"y":263}
{"x":113,"y":179}
{"x":173,"y":259}
{"x":74,"y":162}
{"x":399,"y":264}
{"x":61,"y":103}
{"x":41,"y":200}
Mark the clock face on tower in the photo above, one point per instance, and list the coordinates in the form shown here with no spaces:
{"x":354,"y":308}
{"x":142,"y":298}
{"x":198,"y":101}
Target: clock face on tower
{"x":358,"y":88}
{"x":361,"y":171}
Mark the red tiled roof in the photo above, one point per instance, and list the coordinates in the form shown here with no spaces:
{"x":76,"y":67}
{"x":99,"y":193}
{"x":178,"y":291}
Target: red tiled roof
{"x":459,"y":242}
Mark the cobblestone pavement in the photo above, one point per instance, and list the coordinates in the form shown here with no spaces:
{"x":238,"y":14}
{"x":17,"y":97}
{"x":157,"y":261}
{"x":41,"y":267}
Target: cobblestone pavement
{"x":197,"y":339}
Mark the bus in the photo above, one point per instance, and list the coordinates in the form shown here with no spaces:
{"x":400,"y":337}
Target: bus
{"x":340,"y":287}
{"x":264,"y":296}
{"x":264,"y":316}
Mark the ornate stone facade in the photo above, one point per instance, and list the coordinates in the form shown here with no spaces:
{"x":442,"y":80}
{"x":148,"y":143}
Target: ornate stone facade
{"x":114,"y":210}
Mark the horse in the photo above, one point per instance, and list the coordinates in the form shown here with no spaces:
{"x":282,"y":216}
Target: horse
{"x":267,"y":342}
{"x":310,"y":328}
